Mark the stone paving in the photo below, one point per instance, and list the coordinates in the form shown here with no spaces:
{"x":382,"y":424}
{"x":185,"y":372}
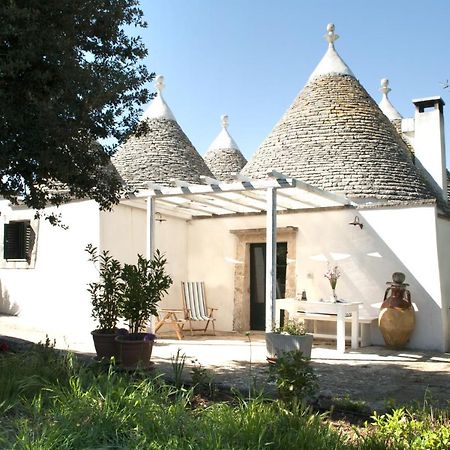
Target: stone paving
{"x":376,"y":375}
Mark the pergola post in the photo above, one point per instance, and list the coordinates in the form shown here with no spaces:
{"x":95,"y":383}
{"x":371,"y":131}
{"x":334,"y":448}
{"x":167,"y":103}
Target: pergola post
{"x":150,"y":244}
{"x":150,"y":249}
{"x":271,"y":257}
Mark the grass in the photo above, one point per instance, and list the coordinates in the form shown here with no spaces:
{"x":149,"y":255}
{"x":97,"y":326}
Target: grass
{"x":49,"y":401}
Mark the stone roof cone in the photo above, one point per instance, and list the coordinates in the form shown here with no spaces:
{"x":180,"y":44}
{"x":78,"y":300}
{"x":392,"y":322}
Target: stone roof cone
{"x":223,"y":156}
{"x":334,"y":136}
{"x":161,"y":154}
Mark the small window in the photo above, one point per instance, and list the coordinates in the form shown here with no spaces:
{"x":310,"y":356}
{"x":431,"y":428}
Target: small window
{"x":18,"y":240}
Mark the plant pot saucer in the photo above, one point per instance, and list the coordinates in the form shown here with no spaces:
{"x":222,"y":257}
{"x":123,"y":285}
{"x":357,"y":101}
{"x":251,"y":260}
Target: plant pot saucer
{"x":271,"y":360}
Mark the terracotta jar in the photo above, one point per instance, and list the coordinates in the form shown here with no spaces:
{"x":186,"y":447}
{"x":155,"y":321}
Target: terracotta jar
{"x":396,"y":319}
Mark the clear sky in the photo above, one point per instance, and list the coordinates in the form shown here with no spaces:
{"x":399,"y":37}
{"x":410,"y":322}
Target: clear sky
{"x":250,"y":58}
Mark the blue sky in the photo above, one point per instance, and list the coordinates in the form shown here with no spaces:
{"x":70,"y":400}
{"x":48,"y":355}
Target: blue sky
{"x":249,"y":59}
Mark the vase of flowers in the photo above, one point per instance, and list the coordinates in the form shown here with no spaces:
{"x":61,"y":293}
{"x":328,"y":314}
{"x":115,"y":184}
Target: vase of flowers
{"x":333,"y":273}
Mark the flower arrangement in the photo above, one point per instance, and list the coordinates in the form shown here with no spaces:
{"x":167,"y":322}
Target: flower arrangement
{"x":332,"y":274}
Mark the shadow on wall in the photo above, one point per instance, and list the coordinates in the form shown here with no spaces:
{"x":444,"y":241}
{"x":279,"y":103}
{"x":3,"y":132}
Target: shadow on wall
{"x":6,"y":306}
{"x":369,"y":265}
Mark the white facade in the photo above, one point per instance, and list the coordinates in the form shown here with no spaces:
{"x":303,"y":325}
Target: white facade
{"x":53,"y":294}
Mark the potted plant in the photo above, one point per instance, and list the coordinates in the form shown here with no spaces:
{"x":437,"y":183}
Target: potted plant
{"x":144,"y":285}
{"x":106,"y":295}
{"x":292,"y":336}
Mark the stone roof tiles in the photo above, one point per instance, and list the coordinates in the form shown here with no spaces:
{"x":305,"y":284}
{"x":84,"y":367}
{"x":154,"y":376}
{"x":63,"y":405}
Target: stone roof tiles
{"x":223,"y":156}
{"x":161,"y":154}
{"x":335,"y":137}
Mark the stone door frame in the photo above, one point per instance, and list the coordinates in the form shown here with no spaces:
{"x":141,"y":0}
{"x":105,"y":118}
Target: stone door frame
{"x":241,"y":314}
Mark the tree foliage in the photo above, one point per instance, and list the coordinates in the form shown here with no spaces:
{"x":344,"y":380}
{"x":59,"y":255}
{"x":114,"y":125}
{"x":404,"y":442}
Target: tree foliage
{"x":71,"y":78}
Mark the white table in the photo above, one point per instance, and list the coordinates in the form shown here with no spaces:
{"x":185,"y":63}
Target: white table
{"x":339,"y":309}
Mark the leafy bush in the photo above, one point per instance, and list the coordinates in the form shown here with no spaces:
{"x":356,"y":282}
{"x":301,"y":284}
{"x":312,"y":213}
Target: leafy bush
{"x":293,"y":375}
{"x":145,"y":283}
{"x":411,"y":430}
{"x":106,"y":294}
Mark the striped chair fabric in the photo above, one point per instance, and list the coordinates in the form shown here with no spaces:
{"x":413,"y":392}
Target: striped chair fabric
{"x":195,"y":307}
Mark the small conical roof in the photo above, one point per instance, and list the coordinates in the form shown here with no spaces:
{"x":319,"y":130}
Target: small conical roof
{"x":163,"y":153}
{"x":385,"y":104}
{"x":334,"y":136}
{"x":223,"y":156}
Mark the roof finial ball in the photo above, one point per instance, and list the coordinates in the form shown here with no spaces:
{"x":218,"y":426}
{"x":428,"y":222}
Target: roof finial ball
{"x":385,"y":89}
{"x":159,"y":83}
{"x":224,"y":121}
{"x":331,"y":36}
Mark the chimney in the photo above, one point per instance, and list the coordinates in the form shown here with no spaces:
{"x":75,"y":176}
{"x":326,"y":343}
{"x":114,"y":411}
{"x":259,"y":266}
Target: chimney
{"x":429,"y":140}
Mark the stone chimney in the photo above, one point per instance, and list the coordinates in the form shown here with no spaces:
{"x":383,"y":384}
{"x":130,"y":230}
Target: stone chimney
{"x":427,"y":137}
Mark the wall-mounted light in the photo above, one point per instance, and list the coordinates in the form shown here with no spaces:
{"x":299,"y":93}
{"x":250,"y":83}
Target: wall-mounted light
{"x":356,"y":222}
{"x":159,"y":218}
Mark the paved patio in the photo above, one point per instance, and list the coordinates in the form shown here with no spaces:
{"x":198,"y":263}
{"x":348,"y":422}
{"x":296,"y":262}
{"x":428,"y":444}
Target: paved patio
{"x":375,"y":375}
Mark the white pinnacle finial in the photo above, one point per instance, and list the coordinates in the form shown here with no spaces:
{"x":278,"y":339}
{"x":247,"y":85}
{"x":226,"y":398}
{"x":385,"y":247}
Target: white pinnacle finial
{"x":330,"y":37}
{"x":158,"y":108}
{"x":385,"y":104}
{"x":331,"y":63}
{"x":160,"y":83}
{"x":384,"y":88}
{"x":224,"y":121}
{"x":223,"y":139}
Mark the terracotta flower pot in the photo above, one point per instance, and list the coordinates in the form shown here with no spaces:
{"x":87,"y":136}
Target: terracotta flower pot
{"x":134,"y":351}
{"x":105,"y":343}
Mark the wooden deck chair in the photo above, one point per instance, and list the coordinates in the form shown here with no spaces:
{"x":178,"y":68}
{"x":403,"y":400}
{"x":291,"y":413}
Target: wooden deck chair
{"x":195,"y":308}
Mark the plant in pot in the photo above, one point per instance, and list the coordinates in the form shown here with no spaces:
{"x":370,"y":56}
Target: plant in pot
{"x":144,"y":285}
{"x":290,"y":337}
{"x":106,"y":295}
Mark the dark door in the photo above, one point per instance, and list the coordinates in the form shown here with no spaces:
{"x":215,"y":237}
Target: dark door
{"x":258,"y":281}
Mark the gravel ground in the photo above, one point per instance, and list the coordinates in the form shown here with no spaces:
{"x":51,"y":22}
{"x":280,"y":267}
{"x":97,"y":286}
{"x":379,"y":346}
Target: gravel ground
{"x":375,"y":375}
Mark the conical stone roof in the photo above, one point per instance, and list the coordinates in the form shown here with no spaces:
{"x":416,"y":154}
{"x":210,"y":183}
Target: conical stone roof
{"x":334,"y":136}
{"x":161,"y":154}
{"x":223,"y":157}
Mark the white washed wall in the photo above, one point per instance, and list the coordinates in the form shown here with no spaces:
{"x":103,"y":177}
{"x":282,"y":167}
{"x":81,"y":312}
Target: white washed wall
{"x":443,"y":236}
{"x":123,"y":233}
{"x":391,"y":240}
{"x":52,"y":296}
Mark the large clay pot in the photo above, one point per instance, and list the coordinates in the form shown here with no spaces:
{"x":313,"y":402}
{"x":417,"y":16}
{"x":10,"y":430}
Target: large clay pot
{"x":105,"y":344}
{"x":396,"y":319}
{"x":134,"y":351}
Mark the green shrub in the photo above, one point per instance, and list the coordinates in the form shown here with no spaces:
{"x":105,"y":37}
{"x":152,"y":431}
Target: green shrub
{"x":293,"y":375}
{"x":411,"y":430}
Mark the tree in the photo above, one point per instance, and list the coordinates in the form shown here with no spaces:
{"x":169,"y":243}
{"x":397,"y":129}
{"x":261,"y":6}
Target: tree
{"x":71,"y":79}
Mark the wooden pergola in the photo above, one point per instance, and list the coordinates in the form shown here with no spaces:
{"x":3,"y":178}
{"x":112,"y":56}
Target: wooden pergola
{"x":276,"y":194}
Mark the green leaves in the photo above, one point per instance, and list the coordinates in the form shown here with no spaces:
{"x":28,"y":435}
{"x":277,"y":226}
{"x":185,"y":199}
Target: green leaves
{"x":131,"y":292}
{"x":144,"y":286}
{"x":70,"y":78}
{"x":294,"y":376}
{"x":106,"y":294}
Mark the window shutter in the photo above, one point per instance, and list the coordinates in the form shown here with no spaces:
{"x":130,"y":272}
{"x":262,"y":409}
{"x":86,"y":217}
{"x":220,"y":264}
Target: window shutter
{"x":18,"y":240}
{"x":29,"y":241}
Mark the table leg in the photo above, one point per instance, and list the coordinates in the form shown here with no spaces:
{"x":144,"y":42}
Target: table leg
{"x":340,"y":330}
{"x":355,"y":328}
